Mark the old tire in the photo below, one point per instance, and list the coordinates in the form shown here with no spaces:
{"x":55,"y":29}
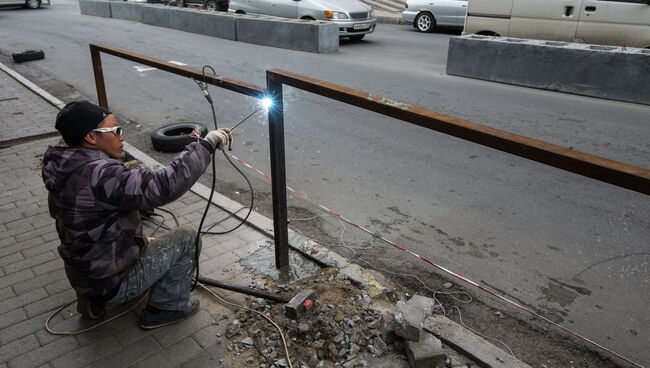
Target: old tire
{"x":425,"y":22}
{"x":28,"y":55}
{"x":174,"y":137}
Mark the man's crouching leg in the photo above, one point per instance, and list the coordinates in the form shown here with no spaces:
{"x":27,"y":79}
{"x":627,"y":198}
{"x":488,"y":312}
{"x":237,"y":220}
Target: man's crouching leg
{"x":166,"y":267}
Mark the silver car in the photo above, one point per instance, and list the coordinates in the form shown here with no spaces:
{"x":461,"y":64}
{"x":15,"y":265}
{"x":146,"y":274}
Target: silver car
{"x":426,"y":15}
{"x":31,"y":4}
{"x":354,"y":18}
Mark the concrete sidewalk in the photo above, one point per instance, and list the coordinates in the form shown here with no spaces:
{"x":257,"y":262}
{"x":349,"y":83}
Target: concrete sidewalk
{"x":33,"y":283}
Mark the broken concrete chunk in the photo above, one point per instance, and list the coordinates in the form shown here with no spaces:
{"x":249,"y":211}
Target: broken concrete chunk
{"x":387,"y":327}
{"x":426,"y":353}
{"x":422,"y":302}
{"x":410,"y":315}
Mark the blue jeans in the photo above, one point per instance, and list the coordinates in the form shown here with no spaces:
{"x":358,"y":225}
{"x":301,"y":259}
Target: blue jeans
{"x":166,"y":266}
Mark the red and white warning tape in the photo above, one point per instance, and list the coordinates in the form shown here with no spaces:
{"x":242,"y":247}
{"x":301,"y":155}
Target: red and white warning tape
{"x":304,"y":196}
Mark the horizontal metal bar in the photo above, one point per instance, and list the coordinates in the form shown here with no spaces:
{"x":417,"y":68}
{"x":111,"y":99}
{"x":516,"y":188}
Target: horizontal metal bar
{"x":219,"y":81}
{"x":278,"y":298}
{"x":613,"y":172}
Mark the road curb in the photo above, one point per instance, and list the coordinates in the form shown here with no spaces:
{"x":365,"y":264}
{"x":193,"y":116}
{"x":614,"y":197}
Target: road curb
{"x":31,"y":86}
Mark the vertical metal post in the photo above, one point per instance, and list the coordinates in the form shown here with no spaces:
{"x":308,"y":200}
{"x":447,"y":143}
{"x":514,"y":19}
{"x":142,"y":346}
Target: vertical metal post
{"x":278,"y":175}
{"x":96,"y":58}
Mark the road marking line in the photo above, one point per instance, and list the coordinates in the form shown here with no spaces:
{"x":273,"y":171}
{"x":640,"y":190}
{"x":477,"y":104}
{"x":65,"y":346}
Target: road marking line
{"x":142,"y":68}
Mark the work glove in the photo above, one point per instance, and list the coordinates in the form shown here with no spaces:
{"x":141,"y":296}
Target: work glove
{"x":219,"y":138}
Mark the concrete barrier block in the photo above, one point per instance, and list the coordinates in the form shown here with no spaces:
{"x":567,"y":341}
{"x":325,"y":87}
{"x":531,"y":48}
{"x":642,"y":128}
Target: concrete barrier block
{"x":126,"y":10}
{"x":592,"y":70}
{"x":161,"y":16}
{"x":296,"y":34}
{"x":210,"y":23}
{"x":96,"y":8}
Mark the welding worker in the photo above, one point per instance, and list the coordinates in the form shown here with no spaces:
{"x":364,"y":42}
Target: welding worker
{"x":95,"y":201}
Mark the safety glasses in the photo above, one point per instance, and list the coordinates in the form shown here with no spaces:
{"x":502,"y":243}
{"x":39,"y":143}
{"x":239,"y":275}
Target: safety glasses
{"x":117,"y":130}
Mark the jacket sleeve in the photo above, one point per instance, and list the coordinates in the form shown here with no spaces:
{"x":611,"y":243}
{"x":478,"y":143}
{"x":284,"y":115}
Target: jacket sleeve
{"x":136,"y":189}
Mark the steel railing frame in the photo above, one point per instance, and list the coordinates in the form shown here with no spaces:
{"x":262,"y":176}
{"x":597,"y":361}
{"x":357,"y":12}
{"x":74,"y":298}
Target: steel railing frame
{"x":276,"y":130}
{"x":613,"y":172}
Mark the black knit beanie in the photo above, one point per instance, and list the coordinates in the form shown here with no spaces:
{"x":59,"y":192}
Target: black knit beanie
{"x":78,"y":118}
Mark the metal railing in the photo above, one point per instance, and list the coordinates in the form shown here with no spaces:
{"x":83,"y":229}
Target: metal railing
{"x":616,"y":173}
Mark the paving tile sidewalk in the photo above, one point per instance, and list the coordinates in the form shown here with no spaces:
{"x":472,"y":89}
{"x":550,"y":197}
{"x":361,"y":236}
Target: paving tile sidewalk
{"x":33,"y":283}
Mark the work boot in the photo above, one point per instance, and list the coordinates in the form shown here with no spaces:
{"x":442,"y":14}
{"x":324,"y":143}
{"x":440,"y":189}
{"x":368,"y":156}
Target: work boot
{"x":152,"y":317}
{"x":89,"y":309}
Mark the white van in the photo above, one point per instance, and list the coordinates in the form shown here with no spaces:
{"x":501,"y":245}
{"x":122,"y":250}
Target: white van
{"x":605,"y":22}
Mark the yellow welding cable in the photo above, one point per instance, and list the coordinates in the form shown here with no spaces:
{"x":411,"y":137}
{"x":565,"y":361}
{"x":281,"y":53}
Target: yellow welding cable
{"x":77,"y":332}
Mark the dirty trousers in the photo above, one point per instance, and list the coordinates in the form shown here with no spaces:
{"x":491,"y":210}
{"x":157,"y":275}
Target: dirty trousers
{"x":166,"y":266}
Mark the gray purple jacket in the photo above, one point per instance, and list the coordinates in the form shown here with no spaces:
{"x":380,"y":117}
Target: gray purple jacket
{"x":95,"y":201}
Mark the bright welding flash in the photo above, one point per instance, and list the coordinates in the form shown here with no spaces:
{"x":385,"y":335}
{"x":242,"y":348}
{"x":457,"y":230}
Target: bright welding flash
{"x":267,"y":103}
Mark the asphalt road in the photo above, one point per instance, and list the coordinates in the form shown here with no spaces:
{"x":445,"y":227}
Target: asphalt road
{"x":573,"y":248}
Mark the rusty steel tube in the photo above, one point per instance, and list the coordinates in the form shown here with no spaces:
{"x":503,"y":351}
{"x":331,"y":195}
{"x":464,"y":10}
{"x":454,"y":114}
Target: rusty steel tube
{"x":278,"y":298}
{"x":613,"y":172}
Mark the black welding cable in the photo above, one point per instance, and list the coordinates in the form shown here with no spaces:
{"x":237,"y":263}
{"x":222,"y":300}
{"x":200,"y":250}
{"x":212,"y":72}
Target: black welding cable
{"x":197,"y":250}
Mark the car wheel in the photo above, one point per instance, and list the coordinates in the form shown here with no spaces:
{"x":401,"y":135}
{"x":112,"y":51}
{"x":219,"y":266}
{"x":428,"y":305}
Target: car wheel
{"x":28,"y":55}
{"x":357,"y":38}
{"x":33,"y":4}
{"x":425,"y":22}
{"x":174,"y":137}
{"x":211,"y":5}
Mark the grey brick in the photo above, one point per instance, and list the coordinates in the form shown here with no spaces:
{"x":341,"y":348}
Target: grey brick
{"x":12,"y":317}
{"x":87,"y":354}
{"x":42,"y":280}
{"x":15,"y":278}
{"x":18,"y":246}
{"x":21,"y":300}
{"x":6,"y":240}
{"x":30,"y":262}
{"x":173,"y":356}
{"x":35,"y":233}
{"x":18,"y":347}
{"x":19,"y":231}
{"x":6,"y":293}
{"x":49,"y":304}
{"x":21,"y":329}
{"x":208,"y":336}
{"x":39,"y":249}
{"x":50,"y":266}
{"x":12,"y":258}
{"x":130,"y":354}
{"x":58,"y":287}
{"x":44,"y":354}
{"x":209,"y":357}
{"x":173,"y":334}
{"x":51,"y":236}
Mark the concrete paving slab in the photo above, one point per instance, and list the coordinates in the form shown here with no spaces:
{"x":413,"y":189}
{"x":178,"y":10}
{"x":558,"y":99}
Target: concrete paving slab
{"x":470,"y":344}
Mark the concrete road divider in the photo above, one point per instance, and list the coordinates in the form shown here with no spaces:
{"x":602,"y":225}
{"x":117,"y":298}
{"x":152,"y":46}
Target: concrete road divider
{"x":302,"y":35}
{"x":97,"y":8}
{"x":296,"y":34}
{"x":126,"y":10}
{"x":610,"y":72}
{"x":208,"y":23}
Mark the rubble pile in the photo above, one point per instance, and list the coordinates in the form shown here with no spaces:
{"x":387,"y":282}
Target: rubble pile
{"x":345,"y":328}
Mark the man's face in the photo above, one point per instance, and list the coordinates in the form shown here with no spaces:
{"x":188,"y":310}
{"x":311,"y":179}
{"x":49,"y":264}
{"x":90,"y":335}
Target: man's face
{"x":109,"y":142}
